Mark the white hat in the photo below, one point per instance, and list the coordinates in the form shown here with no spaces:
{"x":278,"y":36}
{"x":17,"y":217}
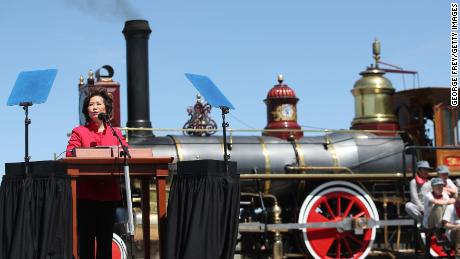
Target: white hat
{"x":437,"y":181}
{"x":442,"y":169}
{"x":423,"y":164}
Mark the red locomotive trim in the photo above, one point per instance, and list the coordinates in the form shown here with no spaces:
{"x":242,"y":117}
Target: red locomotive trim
{"x":281,"y":91}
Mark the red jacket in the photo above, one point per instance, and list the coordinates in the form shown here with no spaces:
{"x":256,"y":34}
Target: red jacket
{"x":105,"y":189}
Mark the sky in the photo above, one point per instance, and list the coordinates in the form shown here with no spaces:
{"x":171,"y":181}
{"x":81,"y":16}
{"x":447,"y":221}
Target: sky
{"x":319,"y":46}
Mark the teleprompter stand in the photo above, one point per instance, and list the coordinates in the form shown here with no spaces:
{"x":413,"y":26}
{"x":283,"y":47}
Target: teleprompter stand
{"x":215,"y":98}
{"x":227,"y":147}
{"x":27,"y":121}
{"x":31,"y":87}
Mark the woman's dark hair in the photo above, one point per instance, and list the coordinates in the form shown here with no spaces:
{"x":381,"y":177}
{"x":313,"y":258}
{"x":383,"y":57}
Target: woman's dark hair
{"x":108,"y":102}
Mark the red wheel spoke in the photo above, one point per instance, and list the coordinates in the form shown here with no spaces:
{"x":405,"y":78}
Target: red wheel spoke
{"x":329,"y":209}
{"x":350,"y":205}
{"x":352,"y":237}
{"x":316,"y":217}
{"x":347,"y":246}
{"x":321,"y":240}
{"x":339,"y":209}
{"x":338,"y":252}
{"x":359,"y":214}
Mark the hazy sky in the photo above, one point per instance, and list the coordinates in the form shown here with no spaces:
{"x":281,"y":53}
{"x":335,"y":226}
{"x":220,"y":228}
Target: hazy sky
{"x":319,"y":46}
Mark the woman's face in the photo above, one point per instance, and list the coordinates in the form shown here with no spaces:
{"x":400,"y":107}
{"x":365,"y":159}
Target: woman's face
{"x":96,"y":105}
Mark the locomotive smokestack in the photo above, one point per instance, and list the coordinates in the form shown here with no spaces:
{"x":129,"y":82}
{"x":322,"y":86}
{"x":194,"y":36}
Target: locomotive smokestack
{"x":137,"y":33}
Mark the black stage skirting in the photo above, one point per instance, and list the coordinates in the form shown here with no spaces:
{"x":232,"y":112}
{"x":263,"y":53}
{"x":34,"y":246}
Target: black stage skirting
{"x":203,"y":211}
{"x":36,"y":212}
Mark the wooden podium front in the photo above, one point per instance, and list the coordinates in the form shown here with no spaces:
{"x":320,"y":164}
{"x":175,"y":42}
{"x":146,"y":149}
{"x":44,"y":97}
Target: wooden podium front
{"x":144,"y":169}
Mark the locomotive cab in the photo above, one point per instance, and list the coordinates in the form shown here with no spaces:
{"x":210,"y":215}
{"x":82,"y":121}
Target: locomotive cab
{"x":427,"y":119}
{"x":430,"y":126}
{"x":447,"y":134}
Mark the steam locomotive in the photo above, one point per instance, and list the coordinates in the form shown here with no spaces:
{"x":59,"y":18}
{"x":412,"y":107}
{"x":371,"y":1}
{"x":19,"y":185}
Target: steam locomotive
{"x":286,"y":177}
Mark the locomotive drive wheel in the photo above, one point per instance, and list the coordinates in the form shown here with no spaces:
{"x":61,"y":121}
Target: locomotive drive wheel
{"x":334,"y":201}
{"x":119,"y":250}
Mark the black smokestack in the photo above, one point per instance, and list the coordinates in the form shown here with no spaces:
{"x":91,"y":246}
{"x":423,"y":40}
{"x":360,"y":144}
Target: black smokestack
{"x":137,"y":33}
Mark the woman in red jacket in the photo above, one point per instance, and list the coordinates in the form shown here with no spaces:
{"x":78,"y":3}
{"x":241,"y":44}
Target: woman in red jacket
{"x":96,"y":198}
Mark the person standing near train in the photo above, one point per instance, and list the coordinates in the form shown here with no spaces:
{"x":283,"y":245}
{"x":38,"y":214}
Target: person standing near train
{"x":96,"y":198}
{"x":418,"y":189}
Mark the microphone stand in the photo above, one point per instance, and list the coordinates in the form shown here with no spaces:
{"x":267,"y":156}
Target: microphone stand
{"x":126,"y":155}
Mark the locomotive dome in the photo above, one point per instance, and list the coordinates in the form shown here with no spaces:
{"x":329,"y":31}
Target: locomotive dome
{"x":376,"y":90}
{"x":373,"y":95}
{"x":281,"y":90}
{"x":282,"y":111}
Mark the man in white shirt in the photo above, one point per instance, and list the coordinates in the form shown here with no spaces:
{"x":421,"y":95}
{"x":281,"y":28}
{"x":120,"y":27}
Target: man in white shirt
{"x":418,"y":189}
{"x":449,"y":186}
{"x":434,"y":204}
{"x":451,"y":222}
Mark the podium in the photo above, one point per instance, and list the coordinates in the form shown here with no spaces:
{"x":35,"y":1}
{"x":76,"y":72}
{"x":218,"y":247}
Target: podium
{"x":144,"y":169}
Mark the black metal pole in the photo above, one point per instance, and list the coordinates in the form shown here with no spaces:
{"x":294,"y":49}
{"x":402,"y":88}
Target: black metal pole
{"x":27,"y":121}
{"x":224,"y":132}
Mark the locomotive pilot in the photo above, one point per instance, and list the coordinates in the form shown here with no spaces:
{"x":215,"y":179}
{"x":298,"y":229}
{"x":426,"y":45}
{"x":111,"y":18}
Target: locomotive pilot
{"x":418,"y":189}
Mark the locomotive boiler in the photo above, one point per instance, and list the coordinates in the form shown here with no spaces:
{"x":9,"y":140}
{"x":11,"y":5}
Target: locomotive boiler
{"x":291,"y":178}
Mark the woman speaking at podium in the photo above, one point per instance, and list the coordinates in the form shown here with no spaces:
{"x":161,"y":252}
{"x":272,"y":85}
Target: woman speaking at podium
{"x":96,"y":198}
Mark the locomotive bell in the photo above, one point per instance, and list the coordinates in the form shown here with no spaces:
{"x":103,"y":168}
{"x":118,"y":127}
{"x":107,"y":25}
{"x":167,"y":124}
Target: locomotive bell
{"x":373,"y":95}
{"x":282,"y":112}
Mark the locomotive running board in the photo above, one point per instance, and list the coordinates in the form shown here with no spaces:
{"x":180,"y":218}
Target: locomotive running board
{"x":347,"y":224}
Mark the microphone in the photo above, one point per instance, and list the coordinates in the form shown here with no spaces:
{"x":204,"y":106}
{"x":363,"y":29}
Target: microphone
{"x":103,"y":117}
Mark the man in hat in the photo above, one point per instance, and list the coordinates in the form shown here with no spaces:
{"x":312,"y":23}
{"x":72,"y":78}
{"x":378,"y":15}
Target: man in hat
{"x":451,"y":222}
{"x":434,"y":204}
{"x":449,"y":187}
{"x":417,"y":191}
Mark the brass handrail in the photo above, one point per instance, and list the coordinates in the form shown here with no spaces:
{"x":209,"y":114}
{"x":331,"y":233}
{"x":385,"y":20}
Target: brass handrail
{"x":263,"y":130}
{"x":306,"y":168}
{"x":365,"y":176}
